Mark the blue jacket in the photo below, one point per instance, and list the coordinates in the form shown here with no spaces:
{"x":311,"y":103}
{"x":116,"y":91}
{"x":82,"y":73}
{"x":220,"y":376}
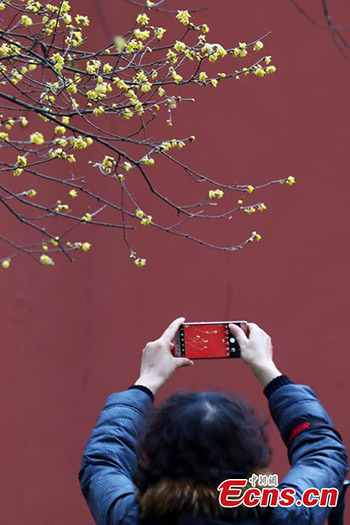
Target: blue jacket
{"x":315,"y":450}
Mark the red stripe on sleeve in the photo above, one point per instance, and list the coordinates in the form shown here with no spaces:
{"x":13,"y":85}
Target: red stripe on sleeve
{"x":297,"y":431}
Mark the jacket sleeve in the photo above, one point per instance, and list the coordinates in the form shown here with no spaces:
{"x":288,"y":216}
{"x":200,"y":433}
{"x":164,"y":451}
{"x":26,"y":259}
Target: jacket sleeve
{"x":315,"y":450}
{"x":110,"y":459}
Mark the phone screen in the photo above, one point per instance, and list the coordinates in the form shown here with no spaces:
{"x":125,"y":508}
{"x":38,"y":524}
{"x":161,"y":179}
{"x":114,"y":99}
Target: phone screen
{"x":206,"y":341}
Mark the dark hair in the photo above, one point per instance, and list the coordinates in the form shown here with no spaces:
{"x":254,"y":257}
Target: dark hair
{"x":204,"y":436}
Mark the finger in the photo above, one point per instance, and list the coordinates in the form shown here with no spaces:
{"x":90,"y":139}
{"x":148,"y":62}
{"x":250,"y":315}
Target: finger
{"x":183,"y":361}
{"x":245,"y":328}
{"x":255,"y":330}
{"x":238,"y":333}
{"x":170,"y":332}
{"x":253,"y":326}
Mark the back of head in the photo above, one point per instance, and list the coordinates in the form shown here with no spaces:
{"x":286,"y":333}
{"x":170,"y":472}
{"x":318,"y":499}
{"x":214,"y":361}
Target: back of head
{"x":205,"y":437}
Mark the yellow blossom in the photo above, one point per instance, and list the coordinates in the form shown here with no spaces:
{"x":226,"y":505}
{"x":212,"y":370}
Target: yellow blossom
{"x":202,"y":76}
{"x":258,"y":45}
{"x":119,"y":43}
{"x":73,"y":193}
{"x":142,"y":19}
{"x":183,"y":17}
{"x":45,"y":259}
{"x":179,"y":46}
{"x":290,"y":180}
{"x":87,"y":217}
{"x":24,"y":121}
{"x":31,"y":193}
{"x":84,"y":20}
{"x":37,"y":138}
{"x":216,"y":193}
{"x":140,"y":262}
{"x":26,"y":20}
{"x":59,"y":207}
{"x":256,"y":236}
{"x":17,"y":172}
{"x":159,"y":32}
{"x":126,"y":114}
{"x":259,"y":72}
{"x":60,"y":129}
{"x":6,"y":263}
{"x":139,"y":213}
{"x":86,"y":246}
{"x":271,"y":69}
{"x":127,"y":166}
{"x":148,"y":161}
{"x":65,"y":7}
{"x":171,"y":57}
{"x":261,"y":206}
{"x":147,"y":86}
{"x":9,"y":123}
{"x":98,"y":111}
{"x":21,"y":161}
{"x":214,"y":82}
{"x":268,"y":60}
{"x":142,"y":35}
{"x":250,"y":189}
{"x":107,"y":68}
{"x":178,"y":78}
{"x":205,"y":28}
{"x":146,"y":220}
{"x":240,"y":202}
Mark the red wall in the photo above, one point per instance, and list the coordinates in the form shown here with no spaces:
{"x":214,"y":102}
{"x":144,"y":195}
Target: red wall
{"x":73,"y":334}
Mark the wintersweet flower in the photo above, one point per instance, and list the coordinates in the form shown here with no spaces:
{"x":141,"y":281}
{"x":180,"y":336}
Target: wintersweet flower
{"x":183,"y":17}
{"x":140,"y":262}
{"x":37,"y":138}
{"x":258,"y":45}
{"x":271,"y":69}
{"x":215,"y":193}
{"x":142,"y":19}
{"x":26,"y":20}
{"x":21,"y":161}
{"x":45,"y":259}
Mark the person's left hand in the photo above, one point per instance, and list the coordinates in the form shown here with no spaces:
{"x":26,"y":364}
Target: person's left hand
{"x":158,"y":363}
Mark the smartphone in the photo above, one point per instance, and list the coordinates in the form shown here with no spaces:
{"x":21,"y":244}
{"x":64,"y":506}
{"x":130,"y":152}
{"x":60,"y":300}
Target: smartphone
{"x":207,"y":340}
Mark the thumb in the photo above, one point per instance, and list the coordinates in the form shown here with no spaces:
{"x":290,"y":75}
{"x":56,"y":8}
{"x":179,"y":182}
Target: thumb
{"x":183,"y":361}
{"x":238,"y":333}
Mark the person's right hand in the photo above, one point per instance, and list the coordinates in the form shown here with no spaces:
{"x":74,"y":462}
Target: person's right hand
{"x":256,"y":351}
